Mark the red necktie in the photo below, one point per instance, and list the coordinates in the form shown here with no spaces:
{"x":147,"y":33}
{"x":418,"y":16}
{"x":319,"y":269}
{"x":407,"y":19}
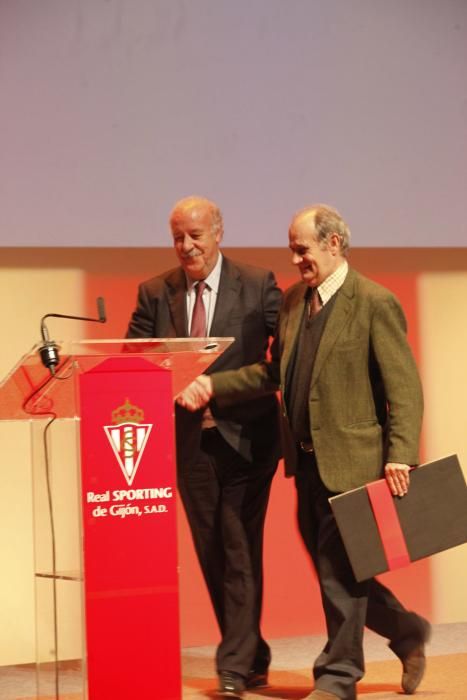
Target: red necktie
{"x":315,"y":304}
{"x":198,"y":319}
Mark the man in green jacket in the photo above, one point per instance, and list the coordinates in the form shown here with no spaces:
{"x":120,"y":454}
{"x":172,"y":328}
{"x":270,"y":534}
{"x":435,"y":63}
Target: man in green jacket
{"x":352,"y":410}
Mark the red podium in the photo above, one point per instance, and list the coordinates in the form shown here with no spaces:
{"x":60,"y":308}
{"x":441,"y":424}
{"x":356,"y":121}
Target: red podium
{"x":104,"y":486}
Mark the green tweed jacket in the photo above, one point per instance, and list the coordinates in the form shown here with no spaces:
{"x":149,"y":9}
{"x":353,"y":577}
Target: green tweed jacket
{"x":365,"y":399}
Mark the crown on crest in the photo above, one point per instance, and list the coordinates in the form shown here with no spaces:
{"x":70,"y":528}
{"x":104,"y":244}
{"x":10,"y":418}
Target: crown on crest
{"x":127,"y":413}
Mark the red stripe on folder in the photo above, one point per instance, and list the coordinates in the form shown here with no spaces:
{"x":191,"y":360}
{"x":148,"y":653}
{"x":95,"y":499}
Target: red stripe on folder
{"x":387,"y":521}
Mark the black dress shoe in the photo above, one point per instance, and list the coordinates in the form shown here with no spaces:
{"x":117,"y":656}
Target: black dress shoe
{"x":413,"y":666}
{"x":257,"y":679}
{"x":231,"y":685}
{"x":414,"y":663}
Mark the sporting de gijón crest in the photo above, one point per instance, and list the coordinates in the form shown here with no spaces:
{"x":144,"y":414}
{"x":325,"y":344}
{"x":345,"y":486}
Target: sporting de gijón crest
{"x":128,"y":436}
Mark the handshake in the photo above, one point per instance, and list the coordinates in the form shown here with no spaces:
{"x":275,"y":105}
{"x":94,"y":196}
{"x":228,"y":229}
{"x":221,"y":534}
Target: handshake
{"x":197,"y":394}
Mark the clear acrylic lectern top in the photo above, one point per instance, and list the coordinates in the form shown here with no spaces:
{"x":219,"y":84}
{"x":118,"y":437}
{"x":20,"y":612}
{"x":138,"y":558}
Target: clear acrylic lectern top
{"x":30,"y":383}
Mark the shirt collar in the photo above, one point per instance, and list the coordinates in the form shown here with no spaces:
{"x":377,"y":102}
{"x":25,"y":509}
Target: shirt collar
{"x":331,"y":284}
{"x":212,"y":280}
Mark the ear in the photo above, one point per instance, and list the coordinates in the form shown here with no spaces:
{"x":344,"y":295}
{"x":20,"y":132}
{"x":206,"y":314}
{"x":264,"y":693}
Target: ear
{"x":334,"y":243}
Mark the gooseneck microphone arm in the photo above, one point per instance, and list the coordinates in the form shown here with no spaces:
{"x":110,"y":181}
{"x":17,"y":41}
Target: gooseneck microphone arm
{"x":49,"y":349}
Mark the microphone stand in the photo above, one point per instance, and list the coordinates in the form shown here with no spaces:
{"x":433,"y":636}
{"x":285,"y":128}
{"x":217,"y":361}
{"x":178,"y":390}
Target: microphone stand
{"x":50,"y":359}
{"x":49,"y":348}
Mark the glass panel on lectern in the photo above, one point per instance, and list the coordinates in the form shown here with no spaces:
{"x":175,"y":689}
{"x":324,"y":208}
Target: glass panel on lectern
{"x":58,"y":570}
{"x":186,"y":357}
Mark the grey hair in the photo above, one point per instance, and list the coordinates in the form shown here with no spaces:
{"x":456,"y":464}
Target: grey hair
{"x":326,"y":221}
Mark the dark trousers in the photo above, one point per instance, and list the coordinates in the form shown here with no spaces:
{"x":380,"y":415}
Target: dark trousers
{"x":348,"y":605}
{"x":225,"y":499}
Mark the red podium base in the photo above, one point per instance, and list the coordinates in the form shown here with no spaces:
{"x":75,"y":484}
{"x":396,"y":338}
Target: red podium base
{"x":129,"y":531}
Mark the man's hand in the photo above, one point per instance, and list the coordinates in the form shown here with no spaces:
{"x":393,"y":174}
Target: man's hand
{"x":197,"y":394}
{"x":397,"y":476}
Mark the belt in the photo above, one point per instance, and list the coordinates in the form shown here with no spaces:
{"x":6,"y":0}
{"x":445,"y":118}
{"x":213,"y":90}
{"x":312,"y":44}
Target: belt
{"x":306,"y":446}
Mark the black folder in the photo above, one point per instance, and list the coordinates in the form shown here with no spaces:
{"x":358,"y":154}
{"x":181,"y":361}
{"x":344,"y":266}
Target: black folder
{"x":432,"y":517}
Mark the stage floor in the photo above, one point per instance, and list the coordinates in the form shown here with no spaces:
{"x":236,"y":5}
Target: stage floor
{"x":290,"y":675}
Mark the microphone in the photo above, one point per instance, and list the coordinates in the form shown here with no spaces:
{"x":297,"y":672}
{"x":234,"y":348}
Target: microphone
{"x":101,"y":310}
{"x":49,"y":348}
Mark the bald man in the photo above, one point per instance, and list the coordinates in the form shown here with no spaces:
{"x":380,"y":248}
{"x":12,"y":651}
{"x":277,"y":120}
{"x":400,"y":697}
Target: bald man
{"x":352,"y":407}
{"x":226,"y":459}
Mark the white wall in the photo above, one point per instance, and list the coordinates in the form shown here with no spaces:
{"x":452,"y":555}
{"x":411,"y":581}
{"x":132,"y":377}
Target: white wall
{"x":443,"y":320}
{"x":31,"y":294}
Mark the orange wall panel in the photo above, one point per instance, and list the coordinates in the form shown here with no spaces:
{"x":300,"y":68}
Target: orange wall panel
{"x":292,"y":604}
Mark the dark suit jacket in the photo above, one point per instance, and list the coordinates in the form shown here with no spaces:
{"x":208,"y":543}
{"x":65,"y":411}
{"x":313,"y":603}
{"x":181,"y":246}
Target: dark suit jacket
{"x":246,"y":308}
{"x":365,"y":398}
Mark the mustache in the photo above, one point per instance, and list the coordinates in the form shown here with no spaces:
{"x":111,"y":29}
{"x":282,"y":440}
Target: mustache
{"x":191,"y":254}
